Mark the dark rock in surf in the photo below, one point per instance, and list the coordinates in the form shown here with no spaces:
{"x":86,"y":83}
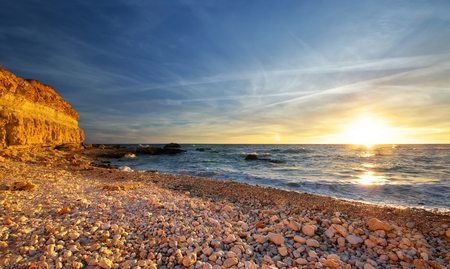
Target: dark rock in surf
{"x":254,"y":157}
{"x":172,"y":146}
{"x":251,"y":157}
{"x":116,"y":153}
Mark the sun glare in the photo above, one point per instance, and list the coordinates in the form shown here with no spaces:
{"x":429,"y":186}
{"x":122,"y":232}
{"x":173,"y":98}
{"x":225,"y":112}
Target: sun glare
{"x":367,"y":131}
{"x":370,"y":179}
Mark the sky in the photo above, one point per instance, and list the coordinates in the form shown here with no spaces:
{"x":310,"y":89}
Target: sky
{"x":225,"y":71}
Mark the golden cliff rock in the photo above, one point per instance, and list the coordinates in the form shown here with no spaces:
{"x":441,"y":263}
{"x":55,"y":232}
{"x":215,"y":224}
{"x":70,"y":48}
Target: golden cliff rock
{"x":33,"y":115}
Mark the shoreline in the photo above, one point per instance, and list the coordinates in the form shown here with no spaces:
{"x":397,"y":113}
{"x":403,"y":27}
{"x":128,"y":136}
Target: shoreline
{"x":314,"y":229}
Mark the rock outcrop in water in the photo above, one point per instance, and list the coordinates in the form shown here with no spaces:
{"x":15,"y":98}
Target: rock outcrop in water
{"x":119,"y":151}
{"x":33,"y":115}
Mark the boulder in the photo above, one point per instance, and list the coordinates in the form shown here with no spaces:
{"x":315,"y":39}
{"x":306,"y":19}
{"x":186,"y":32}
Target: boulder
{"x":172,"y":146}
{"x":251,"y":157}
{"x":33,"y":115}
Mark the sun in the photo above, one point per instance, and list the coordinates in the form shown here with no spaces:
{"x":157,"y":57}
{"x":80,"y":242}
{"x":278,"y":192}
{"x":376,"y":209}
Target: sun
{"x":367,"y":131}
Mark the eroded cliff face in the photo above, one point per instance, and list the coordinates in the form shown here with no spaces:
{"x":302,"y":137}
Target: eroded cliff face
{"x":33,"y":115}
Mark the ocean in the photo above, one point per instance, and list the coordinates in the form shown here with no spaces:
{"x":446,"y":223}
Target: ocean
{"x":397,"y":175}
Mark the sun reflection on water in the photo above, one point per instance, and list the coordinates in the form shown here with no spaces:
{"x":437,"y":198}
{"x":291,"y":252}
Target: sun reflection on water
{"x":368,"y":178}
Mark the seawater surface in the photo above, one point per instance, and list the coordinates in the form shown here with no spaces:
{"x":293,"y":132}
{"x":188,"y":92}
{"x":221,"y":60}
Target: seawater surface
{"x":399,"y":175}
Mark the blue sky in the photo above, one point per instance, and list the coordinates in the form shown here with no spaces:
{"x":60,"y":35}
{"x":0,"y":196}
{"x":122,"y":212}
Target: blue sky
{"x":239,"y":71}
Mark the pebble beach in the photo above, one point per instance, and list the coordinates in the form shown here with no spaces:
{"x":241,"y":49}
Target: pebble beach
{"x":57,"y":210}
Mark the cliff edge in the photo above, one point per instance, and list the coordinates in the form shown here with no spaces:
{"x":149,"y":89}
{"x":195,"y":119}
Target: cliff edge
{"x":33,"y":115}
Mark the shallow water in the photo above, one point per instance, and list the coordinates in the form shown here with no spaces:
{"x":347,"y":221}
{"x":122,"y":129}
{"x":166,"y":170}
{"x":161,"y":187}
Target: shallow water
{"x":400,"y":175}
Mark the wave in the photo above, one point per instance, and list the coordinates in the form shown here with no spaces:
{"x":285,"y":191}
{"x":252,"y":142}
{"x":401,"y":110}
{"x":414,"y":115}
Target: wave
{"x":257,"y":153}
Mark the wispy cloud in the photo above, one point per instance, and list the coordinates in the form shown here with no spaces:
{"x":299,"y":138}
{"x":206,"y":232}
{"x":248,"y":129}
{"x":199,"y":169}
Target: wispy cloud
{"x":197,"y":71}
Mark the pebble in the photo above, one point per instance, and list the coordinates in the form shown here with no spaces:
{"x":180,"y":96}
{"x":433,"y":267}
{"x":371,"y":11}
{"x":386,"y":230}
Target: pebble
{"x":341,"y":229}
{"x":230,"y":262}
{"x":309,"y":230}
{"x":277,"y":239}
{"x":153,"y":227}
{"x":368,"y":266}
{"x":301,"y":261}
{"x":354,"y":239}
{"x":299,"y":239}
{"x":283,"y":251}
{"x":376,"y":224}
{"x":293,"y":225}
{"x":105,"y":263}
{"x":312,"y":243}
{"x":189,"y":259}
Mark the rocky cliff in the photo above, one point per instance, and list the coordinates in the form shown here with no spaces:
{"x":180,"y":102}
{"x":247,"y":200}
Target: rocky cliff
{"x":33,"y":115}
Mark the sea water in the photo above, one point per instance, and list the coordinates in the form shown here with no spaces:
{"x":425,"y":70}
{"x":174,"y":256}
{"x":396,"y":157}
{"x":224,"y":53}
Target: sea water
{"x":397,"y":175}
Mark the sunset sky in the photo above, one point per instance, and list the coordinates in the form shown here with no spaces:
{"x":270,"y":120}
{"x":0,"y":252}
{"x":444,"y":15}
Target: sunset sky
{"x":240,"y":71}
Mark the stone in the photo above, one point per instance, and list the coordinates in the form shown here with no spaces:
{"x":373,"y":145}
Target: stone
{"x":206,"y":266}
{"x":312,"y":243}
{"x":34,"y":115}
{"x":207,"y":251}
{"x":312,"y":254}
{"x":329,"y":233}
{"x":230,"y":239}
{"x":268,"y":212}
{"x":447,"y":233}
{"x":341,"y":229}
{"x":301,"y":261}
{"x":369,"y":243}
{"x":73,"y":235}
{"x":227,"y":208}
{"x":126,"y":187}
{"x":189,"y":259}
{"x":23,"y":186}
{"x":336,"y":220}
{"x":392,"y":256}
{"x":276,"y":239}
{"x":333,"y":264}
{"x":172,"y":146}
{"x":251,"y":157}
{"x":436,"y":265}
{"x":64,"y":210}
{"x":376,"y":224}
{"x":368,"y":266}
{"x":333,"y":257}
{"x":354,"y":239}
{"x":267,"y":259}
{"x":406,"y":242}
{"x":260,"y":225}
{"x":293,"y":225}
{"x":282,"y":251}
{"x":243,"y":225}
{"x":231,"y":254}
{"x":51,"y":250}
{"x":105,"y":263}
{"x":299,"y":239}
{"x":230,"y":262}
{"x":250,"y":265}
{"x":421,"y":264}
{"x":309,"y":230}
